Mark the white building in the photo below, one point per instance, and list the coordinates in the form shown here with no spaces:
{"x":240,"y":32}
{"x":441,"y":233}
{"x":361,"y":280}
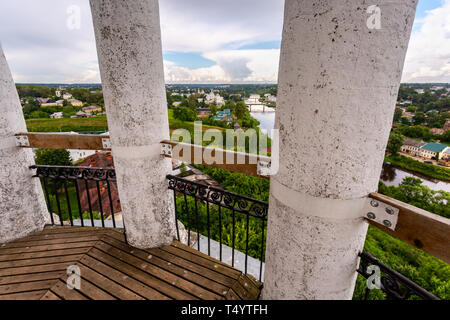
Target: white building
{"x":254,"y":99}
{"x":214,"y":98}
{"x":67,"y":96}
{"x":75,"y":102}
{"x":254,"y":105}
{"x":271,"y":98}
{"x":56,"y":115}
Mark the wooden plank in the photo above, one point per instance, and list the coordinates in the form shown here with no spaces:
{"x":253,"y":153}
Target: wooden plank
{"x":31,"y":277}
{"x":50,"y":296}
{"x":123,"y":279}
{"x":33,"y":295}
{"x":26,"y":286}
{"x":65,"y":141}
{"x":33,"y":269}
{"x":60,"y":289}
{"x":140,"y":275}
{"x":208,"y":262}
{"x":48,"y":247}
{"x":249,"y":286}
{"x":182,"y":246}
{"x":68,"y":235}
{"x":254,"y":282}
{"x":211,"y":274}
{"x":241,"y":291}
{"x":89,"y":289}
{"x":42,"y":254}
{"x":422,"y":229}
{"x":171,"y":279}
{"x":39,"y":261}
{"x":231,"y":295}
{"x":69,"y":229}
{"x":33,"y":243}
{"x":170,"y":266}
{"x":248,"y":165}
{"x":112,"y":288}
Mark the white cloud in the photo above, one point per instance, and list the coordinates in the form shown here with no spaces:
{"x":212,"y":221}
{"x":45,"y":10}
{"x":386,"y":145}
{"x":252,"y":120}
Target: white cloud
{"x":428,"y":57}
{"x":40,"y":48}
{"x":232,"y":66}
{"x":215,"y":28}
{"x":206,"y":25}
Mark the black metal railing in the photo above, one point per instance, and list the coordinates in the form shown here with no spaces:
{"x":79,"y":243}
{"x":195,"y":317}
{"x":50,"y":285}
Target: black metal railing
{"x":395,"y":285}
{"x":230,"y":220}
{"x":221,"y":220}
{"x":79,"y":193}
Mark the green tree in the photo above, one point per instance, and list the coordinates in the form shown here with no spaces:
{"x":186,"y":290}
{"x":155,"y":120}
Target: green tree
{"x":395,"y":142}
{"x":240,"y":110}
{"x":419,"y":118}
{"x":405,"y":121}
{"x":412,"y":191}
{"x":184,"y":114}
{"x":398,"y":114}
{"x":54,"y":157}
{"x":411,"y":109}
{"x":213,"y":109}
{"x":30,"y":107}
{"x":69,"y":111}
{"x":39,"y":115}
{"x":446,"y":136}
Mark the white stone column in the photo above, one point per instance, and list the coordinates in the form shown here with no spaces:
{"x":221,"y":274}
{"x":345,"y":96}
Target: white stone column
{"x":337,"y":89}
{"x":22,"y":204}
{"x":131,"y":65}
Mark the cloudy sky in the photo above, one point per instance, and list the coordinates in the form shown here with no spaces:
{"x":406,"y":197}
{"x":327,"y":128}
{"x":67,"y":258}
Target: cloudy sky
{"x":203,"y":41}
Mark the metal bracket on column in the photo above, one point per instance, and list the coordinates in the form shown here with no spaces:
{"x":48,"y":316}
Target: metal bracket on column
{"x":22,"y":141}
{"x":264,"y":167}
{"x":381,"y":213}
{"x":166,"y":150}
{"x":106,"y":143}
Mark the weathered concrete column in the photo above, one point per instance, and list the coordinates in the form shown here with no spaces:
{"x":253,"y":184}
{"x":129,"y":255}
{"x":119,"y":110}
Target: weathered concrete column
{"x":22,"y":204}
{"x":131,"y":66}
{"x":338,"y":82}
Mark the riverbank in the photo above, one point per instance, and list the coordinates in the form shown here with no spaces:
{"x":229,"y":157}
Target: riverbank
{"x":428,"y":170}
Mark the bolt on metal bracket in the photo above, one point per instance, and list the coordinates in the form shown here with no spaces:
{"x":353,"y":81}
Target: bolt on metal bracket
{"x":166,"y":149}
{"x":106,"y":143}
{"x":381,"y":213}
{"x":22,"y":141}
{"x":264,"y":167}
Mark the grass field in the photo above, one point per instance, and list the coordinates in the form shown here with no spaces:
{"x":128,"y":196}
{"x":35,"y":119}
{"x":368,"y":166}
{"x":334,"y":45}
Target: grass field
{"x":67,"y":125}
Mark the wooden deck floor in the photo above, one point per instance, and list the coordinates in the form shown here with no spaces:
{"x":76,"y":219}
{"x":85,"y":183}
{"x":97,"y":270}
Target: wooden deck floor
{"x":35,"y":268}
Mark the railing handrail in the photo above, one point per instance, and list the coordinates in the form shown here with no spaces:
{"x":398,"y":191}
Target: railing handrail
{"x":394,"y":277}
{"x":36,"y":166}
{"x":201,"y":185}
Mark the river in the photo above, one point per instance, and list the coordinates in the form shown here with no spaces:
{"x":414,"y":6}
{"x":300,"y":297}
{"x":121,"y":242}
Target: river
{"x":266,"y":119}
{"x":390,"y":175}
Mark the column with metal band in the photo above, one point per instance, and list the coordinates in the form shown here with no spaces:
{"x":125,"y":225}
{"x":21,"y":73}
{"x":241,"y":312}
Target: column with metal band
{"x":22,"y":204}
{"x":340,"y":68}
{"x":129,"y":49}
